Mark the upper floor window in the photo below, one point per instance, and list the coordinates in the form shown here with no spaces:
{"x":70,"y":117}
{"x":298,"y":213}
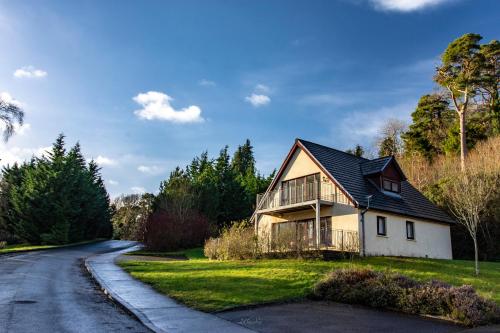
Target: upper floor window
{"x":381,"y":226}
{"x":391,"y":186}
{"x":410,"y":230}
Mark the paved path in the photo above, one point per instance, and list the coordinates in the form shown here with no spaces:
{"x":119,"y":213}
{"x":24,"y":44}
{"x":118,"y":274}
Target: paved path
{"x":333,"y":318}
{"x":50,"y":291}
{"x":158,"y":312}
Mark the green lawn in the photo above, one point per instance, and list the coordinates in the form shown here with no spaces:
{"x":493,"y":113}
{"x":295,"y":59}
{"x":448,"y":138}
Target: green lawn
{"x":29,"y":247}
{"x":213,"y":285}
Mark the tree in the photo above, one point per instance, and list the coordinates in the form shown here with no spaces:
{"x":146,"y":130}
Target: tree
{"x":10,"y":114}
{"x":357,"y":151}
{"x":459,"y":74}
{"x":389,"y":141}
{"x":430,"y":123}
{"x":468,"y":195}
{"x":490,"y":82}
{"x":55,"y":199}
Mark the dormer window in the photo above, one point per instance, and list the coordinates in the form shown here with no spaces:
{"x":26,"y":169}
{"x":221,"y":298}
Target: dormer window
{"x":391,"y":186}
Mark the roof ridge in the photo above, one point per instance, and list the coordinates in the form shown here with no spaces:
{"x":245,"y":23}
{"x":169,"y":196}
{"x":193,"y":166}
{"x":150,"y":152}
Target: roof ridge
{"x":340,"y":151}
{"x":377,"y":159}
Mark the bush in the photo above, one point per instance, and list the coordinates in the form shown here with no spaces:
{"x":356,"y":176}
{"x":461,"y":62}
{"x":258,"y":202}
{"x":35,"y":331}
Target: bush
{"x":165,"y":231}
{"x":237,"y":242}
{"x":398,"y":292}
{"x":3,"y":244}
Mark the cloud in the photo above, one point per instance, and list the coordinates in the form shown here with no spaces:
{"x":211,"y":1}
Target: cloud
{"x":329,"y":99}
{"x":206,"y":83}
{"x":7,"y":98}
{"x":29,"y":72}
{"x":258,"y":100}
{"x":156,"y":105}
{"x":262,"y":88}
{"x":11,"y":155}
{"x":105,"y":161}
{"x":18,"y":129}
{"x":113,"y":182}
{"x":138,"y":189}
{"x":259,"y":96}
{"x":152,"y":170}
{"x":405,"y":5}
{"x":363,"y":127}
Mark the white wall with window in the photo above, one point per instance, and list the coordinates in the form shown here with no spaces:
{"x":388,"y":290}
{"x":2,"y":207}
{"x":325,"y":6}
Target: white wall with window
{"x":395,"y":235}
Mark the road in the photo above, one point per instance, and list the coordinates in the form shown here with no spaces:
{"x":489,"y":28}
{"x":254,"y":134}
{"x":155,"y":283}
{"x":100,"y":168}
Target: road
{"x":50,"y":291}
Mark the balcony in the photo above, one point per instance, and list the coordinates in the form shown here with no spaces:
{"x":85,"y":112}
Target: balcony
{"x":293,"y":196}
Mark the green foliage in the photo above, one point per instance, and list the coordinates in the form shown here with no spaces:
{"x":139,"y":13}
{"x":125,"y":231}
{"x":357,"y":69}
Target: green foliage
{"x":130,"y":214}
{"x":430,"y":123}
{"x":55,"y":199}
{"x":475,"y":131}
{"x":357,"y":151}
{"x":221,"y":189}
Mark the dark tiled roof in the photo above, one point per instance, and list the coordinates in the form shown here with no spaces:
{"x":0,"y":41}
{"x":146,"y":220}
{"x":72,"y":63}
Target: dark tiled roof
{"x":373,"y":166}
{"x":349,"y":170}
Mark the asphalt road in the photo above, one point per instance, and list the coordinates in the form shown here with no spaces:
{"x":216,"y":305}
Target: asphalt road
{"x":329,"y":317}
{"x":50,"y":291}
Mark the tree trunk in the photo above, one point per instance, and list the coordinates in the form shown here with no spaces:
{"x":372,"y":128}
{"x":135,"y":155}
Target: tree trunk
{"x":476,"y":256}
{"x":463,"y":145}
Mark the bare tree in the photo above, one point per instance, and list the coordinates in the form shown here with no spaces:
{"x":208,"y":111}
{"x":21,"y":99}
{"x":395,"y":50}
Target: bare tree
{"x":389,"y":141}
{"x":468,"y":194}
{"x":10,"y":114}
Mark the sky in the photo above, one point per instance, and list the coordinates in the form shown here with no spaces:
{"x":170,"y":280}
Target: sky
{"x":145,"y":86}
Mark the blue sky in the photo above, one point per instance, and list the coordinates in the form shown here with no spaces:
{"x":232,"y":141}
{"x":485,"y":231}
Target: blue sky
{"x":147,"y":85}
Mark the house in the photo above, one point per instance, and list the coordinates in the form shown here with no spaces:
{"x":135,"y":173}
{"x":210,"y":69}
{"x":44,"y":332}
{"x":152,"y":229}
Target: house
{"x":323,"y":198}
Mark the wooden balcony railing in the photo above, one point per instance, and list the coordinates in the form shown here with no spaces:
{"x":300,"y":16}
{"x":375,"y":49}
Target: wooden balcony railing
{"x":290,"y":195}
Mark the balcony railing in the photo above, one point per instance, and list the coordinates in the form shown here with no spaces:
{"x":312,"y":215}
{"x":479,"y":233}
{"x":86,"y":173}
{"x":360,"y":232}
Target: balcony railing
{"x":300,"y":239}
{"x":290,"y":195}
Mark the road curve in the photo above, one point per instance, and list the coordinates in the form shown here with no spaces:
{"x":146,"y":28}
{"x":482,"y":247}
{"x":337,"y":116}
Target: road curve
{"x":49,"y":291}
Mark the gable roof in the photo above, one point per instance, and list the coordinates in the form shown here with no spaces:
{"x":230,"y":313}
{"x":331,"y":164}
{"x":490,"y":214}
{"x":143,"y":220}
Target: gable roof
{"x":348,"y":172}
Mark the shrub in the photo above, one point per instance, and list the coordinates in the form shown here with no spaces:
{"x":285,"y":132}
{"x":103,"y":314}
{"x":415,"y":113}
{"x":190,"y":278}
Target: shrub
{"x":236,"y":242}
{"x":3,"y":244}
{"x":398,"y":292}
{"x":164,"y":231}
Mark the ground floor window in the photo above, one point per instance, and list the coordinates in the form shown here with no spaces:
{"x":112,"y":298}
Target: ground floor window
{"x":381,"y":226}
{"x":302,"y":233}
{"x":410,"y":230}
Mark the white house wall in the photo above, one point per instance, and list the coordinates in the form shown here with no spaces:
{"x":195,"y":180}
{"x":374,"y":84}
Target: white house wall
{"x":432,"y":239}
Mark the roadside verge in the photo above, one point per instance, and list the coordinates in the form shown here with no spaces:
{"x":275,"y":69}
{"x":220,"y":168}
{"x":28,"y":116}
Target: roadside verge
{"x":157,"y":312}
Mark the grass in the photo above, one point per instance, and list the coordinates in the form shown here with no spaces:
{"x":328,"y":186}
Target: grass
{"x":196,"y":253}
{"x":214,"y":285}
{"x":29,"y":247}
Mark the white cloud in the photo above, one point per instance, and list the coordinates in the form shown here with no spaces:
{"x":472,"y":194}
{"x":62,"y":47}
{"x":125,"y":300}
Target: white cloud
{"x":156,"y":105}
{"x":258,"y":100}
{"x":330,"y":99}
{"x":18,"y":129}
{"x":113,"y":182}
{"x":11,"y":155}
{"x":363,"y":127}
{"x":105,"y":161}
{"x":152,"y":170}
{"x":138,"y":189}
{"x":7,"y":98}
{"x":405,"y":5}
{"x":207,"y":83}
{"x":29,"y":72}
{"x":262,"y":88}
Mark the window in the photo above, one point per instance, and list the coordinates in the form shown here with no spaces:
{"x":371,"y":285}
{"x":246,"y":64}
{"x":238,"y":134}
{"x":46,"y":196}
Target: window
{"x":391,"y":186}
{"x":410,"y":230}
{"x":326,"y":231}
{"x":381,"y":227}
